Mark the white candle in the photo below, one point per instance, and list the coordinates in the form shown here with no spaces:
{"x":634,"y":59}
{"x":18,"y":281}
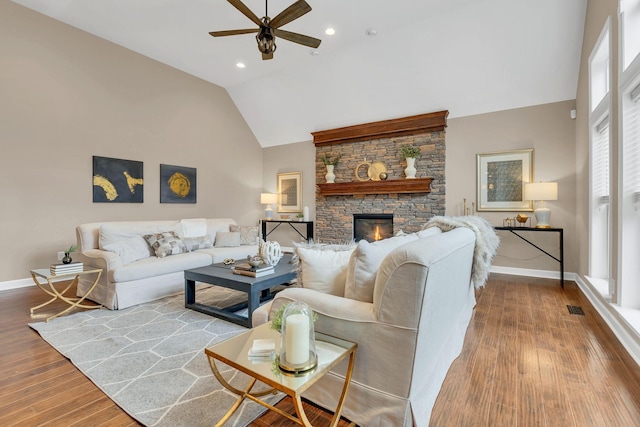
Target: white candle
{"x":305,"y":213}
{"x":297,"y":339}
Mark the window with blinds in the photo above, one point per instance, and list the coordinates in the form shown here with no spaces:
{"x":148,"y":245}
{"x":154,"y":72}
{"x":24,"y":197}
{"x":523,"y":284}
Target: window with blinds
{"x":632,"y":145}
{"x":600,"y":166}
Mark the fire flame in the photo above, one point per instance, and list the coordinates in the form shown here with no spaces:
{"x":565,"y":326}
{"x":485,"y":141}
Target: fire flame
{"x":377,"y":236}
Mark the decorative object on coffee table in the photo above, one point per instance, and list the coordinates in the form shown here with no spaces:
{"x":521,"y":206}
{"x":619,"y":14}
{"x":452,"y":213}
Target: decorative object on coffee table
{"x":410,"y":153}
{"x":270,"y":252}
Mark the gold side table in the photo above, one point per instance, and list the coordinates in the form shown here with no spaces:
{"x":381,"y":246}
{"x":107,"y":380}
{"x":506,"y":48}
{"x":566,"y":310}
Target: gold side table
{"x":233,"y":352}
{"x":56,"y":294}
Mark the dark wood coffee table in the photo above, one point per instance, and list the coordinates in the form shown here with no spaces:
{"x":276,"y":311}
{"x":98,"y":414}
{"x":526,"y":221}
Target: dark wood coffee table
{"x":257,"y":289}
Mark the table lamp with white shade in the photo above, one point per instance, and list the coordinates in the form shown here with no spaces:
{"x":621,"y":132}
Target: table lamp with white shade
{"x":268,"y":199}
{"x":540,"y":192}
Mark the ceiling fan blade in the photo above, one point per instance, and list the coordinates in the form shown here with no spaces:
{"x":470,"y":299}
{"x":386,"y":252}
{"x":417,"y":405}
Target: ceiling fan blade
{"x":294,"y":11}
{"x":266,"y":56}
{"x":245,"y":11}
{"x":297,"y":38}
{"x":233,"y":32}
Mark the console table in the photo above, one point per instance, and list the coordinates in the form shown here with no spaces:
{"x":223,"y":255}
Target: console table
{"x":560,"y":231}
{"x":309,"y":226}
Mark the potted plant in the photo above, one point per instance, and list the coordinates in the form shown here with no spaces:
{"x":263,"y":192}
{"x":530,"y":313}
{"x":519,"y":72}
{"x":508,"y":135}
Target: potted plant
{"x":410,"y":153}
{"x":67,"y":259}
{"x":300,"y":216}
{"x":330,"y":163}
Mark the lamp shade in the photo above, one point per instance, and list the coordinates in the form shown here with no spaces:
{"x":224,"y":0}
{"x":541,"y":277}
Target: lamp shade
{"x":541,"y":191}
{"x":268,"y":198}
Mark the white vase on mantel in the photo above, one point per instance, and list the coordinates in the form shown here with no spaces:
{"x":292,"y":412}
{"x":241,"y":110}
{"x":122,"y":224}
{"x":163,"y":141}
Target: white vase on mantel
{"x":330,"y":176}
{"x":410,"y":170}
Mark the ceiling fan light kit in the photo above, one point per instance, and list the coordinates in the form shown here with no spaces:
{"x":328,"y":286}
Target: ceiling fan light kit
{"x":268,"y":29}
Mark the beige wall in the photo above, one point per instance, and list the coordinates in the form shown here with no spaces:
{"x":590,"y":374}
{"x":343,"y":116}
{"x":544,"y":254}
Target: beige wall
{"x":291,"y":158}
{"x":66,"y":96}
{"x":550,"y":131}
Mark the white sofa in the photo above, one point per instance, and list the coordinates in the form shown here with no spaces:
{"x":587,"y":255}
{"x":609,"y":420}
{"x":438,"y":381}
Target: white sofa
{"x":124,"y":284}
{"x":407,"y":337}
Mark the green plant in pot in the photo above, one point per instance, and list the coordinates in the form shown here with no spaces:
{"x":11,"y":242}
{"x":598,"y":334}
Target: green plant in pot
{"x":330,"y":161}
{"x":410,"y":153}
{"x":67,"y":258}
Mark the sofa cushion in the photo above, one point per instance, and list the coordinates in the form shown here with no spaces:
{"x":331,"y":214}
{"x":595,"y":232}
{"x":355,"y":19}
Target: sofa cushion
{"x":364,"y":263}
{"x":227,"y":239}
{"x":218,"y":224}
{"x":249,"y":235}
{"x":166,"y":243}
{"x":153,"y":267}
{"x":114,"y":232}
{"x":195,"y":243}
{"x":324,"y":268}
{"x":193,"y":227}
{"x":131,"y":249}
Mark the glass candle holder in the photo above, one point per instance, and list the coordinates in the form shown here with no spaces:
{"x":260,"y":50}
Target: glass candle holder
{"x":298,"y":343}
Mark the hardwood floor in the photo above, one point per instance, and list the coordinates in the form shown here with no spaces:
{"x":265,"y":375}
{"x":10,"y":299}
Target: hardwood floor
{"x":526,"y":361}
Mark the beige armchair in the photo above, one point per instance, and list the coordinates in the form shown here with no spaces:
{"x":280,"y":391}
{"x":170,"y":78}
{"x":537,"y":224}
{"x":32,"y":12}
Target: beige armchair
{"x":407,"y":338}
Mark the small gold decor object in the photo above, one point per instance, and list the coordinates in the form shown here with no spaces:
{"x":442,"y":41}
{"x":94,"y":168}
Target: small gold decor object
{"x":368,"y":165}
{"x":522,"y":218}
{"x":383,"y":176}
{"x":375,"y":169}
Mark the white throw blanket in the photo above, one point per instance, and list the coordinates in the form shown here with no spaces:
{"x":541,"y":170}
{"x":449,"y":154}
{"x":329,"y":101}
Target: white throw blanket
{"x":487,"y":242}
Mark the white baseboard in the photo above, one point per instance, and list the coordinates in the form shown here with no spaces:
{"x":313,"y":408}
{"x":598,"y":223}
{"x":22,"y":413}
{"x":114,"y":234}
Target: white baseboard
{"x":544,"y":274}
{"x":15,"y":284}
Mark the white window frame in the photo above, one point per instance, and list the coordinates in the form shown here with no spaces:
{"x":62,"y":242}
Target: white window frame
{"x":628,"y":289}
{"x":600,"y":218}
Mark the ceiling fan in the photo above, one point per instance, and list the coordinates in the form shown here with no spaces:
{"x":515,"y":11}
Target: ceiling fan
{"x":269,"y":28}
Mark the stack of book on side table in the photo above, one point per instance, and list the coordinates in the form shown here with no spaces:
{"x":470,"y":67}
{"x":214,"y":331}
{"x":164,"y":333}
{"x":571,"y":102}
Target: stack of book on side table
{"x":73,"y":267}
{"x":262,"y":348}
{"x":248,"y":270}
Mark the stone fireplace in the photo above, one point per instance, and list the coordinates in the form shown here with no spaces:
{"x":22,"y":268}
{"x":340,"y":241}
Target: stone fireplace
{"x":372,"y":227}
{"x":411,"y":202}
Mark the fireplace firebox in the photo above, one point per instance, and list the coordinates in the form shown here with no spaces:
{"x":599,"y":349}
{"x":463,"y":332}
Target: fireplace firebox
{"x":372,"y":227}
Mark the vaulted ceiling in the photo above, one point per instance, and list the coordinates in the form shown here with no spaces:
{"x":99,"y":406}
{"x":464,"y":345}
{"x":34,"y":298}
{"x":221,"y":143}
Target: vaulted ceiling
{"x":465,"y":56}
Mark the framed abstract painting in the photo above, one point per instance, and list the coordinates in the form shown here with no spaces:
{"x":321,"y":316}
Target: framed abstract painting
{"x":117,"y":180}
{"x":501,"y":179}
{"x":177,"y":184}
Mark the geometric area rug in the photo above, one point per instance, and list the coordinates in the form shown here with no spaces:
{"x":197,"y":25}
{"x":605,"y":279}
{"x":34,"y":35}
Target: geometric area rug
{"x":149,"y":359}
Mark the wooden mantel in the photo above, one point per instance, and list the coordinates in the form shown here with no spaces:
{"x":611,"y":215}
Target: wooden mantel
{"x":392,"y":186}
{"x":423,"y":123}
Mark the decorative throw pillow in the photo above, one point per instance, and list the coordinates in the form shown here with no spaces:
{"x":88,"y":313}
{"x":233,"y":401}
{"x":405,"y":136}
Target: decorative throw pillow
{"x":323,"y":268}
{"x":195,"y":243}
{"x":364,"y":263}
{"x":227,"y":239}
{"x":193,"y":227}
{"x":164,"y":244}
{"x":130,"y":250}
{"x":248,"y":234}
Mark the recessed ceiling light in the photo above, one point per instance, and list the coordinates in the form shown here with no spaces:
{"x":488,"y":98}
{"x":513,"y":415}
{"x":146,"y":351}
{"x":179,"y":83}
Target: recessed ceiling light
{"x":371,"y":31}
{"x":314,"y":52}
{"x":240,"y":65}
{"x":330,"y":31}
